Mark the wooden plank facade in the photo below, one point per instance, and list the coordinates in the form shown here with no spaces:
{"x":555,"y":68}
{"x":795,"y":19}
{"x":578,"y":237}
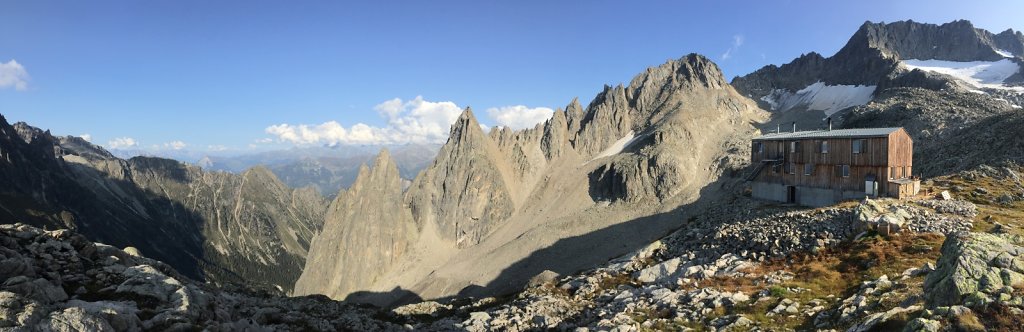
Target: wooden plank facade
{"x":840,"y":163}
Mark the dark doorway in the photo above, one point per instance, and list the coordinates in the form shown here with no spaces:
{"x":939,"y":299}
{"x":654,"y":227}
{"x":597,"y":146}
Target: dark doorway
{"x":791,"y":194}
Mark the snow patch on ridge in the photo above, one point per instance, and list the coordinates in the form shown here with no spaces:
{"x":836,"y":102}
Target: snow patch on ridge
{"x":980,"y":74}
{"x":618,"y":146}
{"x":821,"y":97}
{"x":1004,"y":53}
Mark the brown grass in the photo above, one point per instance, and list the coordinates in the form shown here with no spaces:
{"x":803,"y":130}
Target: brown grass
{"x":998,"y":317}
{"x":968,"y":322}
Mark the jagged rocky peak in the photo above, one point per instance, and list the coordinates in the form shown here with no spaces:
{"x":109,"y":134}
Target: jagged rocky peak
{"x":556,"y":135}
{"x":574,"y":115}
{"x":618,"y":111}
{"x":1010,"y":41}
{"x":954,"y":41}
{"x":366,"y":229}
{"x":465,"y":126}
{"x":472,"y":161}
{"x":793,"y":76}
{"x":693,"y":70}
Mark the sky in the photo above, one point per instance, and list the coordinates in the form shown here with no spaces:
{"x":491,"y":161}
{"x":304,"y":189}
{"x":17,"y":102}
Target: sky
{"x":242,"y":75}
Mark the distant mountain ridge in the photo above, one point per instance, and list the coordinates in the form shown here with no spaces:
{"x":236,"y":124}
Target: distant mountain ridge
{"x":329,"y":169}
{"x":248,"y":229}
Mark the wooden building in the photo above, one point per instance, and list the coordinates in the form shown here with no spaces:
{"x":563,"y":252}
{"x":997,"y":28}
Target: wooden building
{"x":822,"y":167}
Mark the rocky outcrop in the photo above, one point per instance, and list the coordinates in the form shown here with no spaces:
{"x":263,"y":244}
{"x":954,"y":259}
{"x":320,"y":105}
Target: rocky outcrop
{"x":976,"y":269}
{"x":367,"y":229}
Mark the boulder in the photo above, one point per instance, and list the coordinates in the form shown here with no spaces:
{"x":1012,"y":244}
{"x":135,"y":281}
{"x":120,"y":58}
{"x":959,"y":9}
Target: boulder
{"x":542,"y":278}
{"x":890,"y":224}
{"x":661,"y":273}
{"x":74,"y":319}
{"x":971,"y":269}
{"x":37,"y":289}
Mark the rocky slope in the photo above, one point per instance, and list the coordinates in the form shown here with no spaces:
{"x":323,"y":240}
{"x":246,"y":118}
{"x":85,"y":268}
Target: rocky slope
{"x":249,"y":229}
{"x":490,"y":202}
{"x":60,"y":281}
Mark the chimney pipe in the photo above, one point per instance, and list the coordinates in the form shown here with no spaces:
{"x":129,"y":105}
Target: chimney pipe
{"x":794,"y":126}
{"x":778,"y":128}
{"x":830,"y":123}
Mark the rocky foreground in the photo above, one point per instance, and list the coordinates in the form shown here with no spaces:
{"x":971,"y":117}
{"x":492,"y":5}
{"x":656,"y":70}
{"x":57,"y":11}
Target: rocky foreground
{"x":60,"y":281}
{"x":688,"y":280}
{"x":874,"y":265}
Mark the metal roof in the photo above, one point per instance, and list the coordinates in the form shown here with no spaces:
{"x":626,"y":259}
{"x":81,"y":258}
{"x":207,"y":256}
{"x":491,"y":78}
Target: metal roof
{"x":837,"y":133}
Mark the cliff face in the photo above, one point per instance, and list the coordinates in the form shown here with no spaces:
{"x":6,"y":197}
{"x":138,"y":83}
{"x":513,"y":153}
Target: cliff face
{"x":467,"y":190}
{"x":494,"y":198}
{"x":366,"y":229}
{"x":247,"y":229}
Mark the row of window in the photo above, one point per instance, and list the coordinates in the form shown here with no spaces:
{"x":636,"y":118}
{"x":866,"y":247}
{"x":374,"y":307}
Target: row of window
{"x":895,"y":172}
{"x":859,"y":146}
{"x":899,"y":172}
{"x":791,"y":168}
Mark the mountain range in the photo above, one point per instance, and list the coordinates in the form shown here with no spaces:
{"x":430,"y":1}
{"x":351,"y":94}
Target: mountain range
{"x":493,"y":210}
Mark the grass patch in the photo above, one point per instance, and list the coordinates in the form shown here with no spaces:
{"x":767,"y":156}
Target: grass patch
{"x":837,"y":271}
{"x":999,"y":317}
{"x":990,"y":210}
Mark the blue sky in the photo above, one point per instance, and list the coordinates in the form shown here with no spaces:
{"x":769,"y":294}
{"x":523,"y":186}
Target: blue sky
{"x":205,"y":75}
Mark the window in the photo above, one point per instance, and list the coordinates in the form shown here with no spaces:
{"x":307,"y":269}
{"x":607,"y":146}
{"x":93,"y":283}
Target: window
{"x":823,"y":147}
{"x":808,"y":169}
{"x":790,"y":168}
{"x":758,"y":147}
{"x":794,"y":146}
{"x":843,"y":170}
{"x":905,"y":173}
{"x":859,"y":146}
{"x":892,"y":172}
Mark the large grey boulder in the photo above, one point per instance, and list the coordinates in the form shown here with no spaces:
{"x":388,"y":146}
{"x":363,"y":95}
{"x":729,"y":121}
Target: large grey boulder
{"x":38,"y":289}
{"x":975,"y":269}
{"x":661,"y":273}
{"x":74,"y":319}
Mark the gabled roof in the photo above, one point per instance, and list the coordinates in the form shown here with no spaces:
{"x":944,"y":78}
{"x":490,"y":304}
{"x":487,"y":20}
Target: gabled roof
{"x":838,"y":133}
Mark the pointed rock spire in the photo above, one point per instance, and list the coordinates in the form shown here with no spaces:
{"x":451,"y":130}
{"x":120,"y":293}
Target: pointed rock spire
{"x":556,"y":135}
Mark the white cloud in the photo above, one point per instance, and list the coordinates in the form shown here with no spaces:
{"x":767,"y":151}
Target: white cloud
{"x":175,"y":145}
{"x":13,"y":75}
{"x":519,"y":116}
{"x":122,"y":143}
{"x":86,"y":137}
{"x":737,"y":41}
{"x":216,"y":148}
{"x":413,"y":121}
